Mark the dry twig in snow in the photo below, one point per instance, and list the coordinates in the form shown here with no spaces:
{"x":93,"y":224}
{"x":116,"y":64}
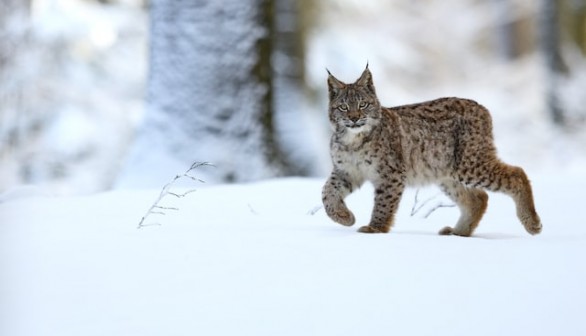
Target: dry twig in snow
{"x":417,"y":207}
{"x":156,"y":208}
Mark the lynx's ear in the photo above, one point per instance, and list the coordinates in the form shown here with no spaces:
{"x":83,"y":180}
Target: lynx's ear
{"x":334,"y":85}
{"x":365,"y":80}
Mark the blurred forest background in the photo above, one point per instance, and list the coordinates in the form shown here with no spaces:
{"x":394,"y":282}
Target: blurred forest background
{"x":101,"y":94}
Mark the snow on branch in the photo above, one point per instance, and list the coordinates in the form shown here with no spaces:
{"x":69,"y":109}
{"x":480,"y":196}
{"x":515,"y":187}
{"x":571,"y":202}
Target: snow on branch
{"x":157,"y":209}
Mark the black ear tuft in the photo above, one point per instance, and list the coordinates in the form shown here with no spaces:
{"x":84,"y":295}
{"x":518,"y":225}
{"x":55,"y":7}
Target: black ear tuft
{"x":365,"y":80}
{"x":334,"y":85}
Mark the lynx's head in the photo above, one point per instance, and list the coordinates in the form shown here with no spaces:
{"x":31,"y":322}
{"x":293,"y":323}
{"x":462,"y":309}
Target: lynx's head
{"x":353,"y":107}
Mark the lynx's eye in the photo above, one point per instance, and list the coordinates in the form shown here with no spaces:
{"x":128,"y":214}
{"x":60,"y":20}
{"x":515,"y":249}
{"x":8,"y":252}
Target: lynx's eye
{"x":362,"y":105}
{"x":343,"y":108}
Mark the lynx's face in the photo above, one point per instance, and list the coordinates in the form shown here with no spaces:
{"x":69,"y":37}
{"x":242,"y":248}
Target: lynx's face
{"x":353,"y":107}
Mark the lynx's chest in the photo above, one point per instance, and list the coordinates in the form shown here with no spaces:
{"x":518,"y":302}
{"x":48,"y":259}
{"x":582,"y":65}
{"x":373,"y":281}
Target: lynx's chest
{"x":360,"y":159}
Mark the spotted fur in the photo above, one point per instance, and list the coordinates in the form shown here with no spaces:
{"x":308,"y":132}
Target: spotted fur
{"x":446,"y":141}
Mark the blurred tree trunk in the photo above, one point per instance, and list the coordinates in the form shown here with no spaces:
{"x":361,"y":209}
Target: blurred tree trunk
{"x":555,"y":66}
{"x":290,"y":39}
{"x":291,"y":21}
{"x":19,"y":121}
{"x":507,"y":32}
{"x":210,"y":91}
{"x":577,"y":13}
{"x":514,"y":30}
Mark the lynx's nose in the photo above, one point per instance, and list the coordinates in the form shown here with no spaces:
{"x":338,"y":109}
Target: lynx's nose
{"x":354,"y":122}
{"x":354,"y":117}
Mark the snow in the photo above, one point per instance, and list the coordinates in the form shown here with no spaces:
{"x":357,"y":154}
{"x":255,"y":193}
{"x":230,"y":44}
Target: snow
{"x":252,"y":259}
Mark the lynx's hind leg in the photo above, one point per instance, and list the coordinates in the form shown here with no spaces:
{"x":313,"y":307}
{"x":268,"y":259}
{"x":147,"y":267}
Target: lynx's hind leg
{"x":472,"y":203}
{"x":498,"y":176}
{"x":513,"y":181}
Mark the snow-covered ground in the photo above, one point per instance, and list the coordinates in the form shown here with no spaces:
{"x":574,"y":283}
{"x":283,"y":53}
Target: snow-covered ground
{"x":257,"y":259}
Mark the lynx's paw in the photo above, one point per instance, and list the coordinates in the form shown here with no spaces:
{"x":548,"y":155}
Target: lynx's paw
{"x":449,"y":231}
{"x":530,"y":221}
{"x":342,"y":216}
{"x":534,"y":228}
{"x":372,"y":229}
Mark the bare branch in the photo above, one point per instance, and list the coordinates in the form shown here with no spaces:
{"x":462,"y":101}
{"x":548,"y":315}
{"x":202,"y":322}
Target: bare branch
{"x":314,"y":210}
{"x":156,"y":208}
{"x":181,"y":195}
{"x":252,"y":209}
{"x":151,"y":224}
{"x":166,"y":208}
{"x":440,"y":205}
{"x":194,"y":178}
{"x":418,"y":206}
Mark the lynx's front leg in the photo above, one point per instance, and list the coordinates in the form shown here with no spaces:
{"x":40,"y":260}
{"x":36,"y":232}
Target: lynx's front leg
{"x":337,"y":187}
{"x":386,"y":201}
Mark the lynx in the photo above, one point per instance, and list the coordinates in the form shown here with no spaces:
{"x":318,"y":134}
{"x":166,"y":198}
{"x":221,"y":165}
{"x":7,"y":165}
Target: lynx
{"x":447,"y":141}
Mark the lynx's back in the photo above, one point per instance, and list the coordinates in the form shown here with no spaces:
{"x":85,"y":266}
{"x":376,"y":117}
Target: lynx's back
{"x":438,"y":135}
